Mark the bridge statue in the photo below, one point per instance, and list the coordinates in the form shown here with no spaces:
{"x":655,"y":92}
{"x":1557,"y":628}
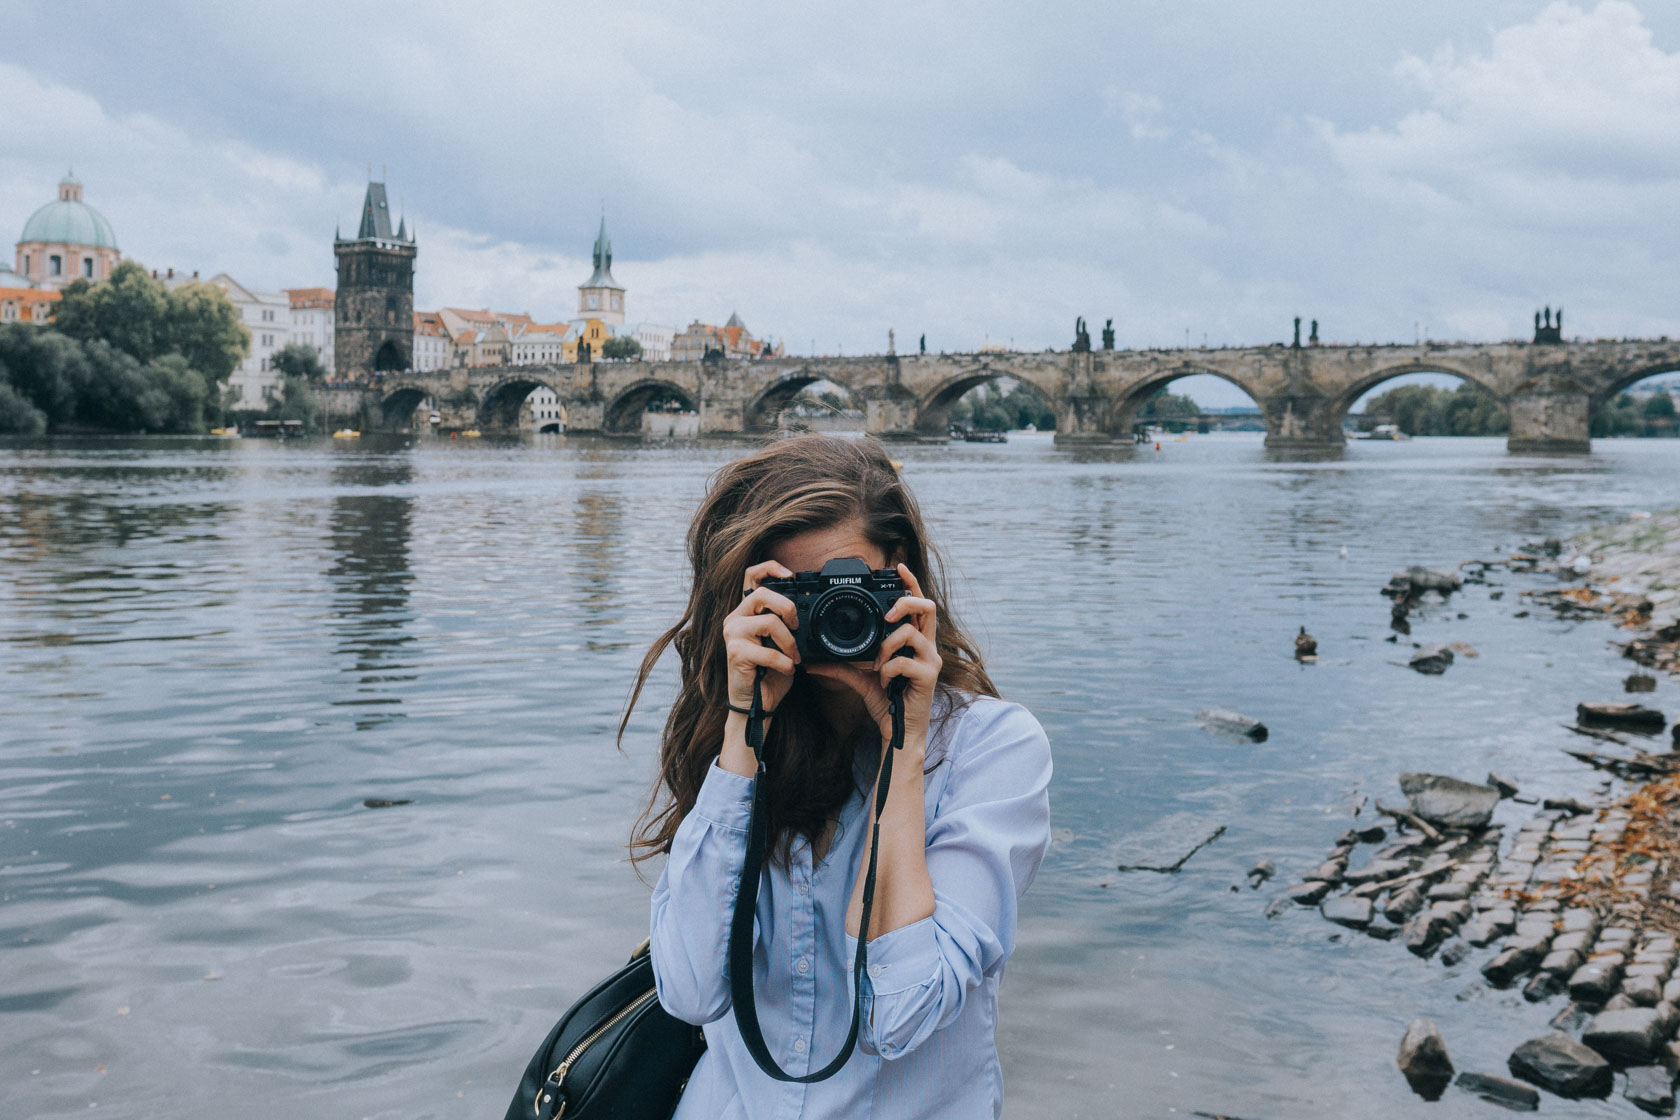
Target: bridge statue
{"x":1549,"y":392}
{"x":1297,"y":343}
{"x":923,"y":343}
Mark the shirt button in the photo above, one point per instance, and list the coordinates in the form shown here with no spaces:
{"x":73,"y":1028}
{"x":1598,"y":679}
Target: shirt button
{"x":804,"y":888}
{"x":799,"y":1046}
{"x":734,"y":886}
{"x":874,"y":972}
{"x":802,"y":965}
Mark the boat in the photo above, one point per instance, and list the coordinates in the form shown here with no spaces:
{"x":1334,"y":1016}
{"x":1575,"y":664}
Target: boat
{"x":984,"y":437}
{"x":1385,"y":431}
{"x":347,"y":433}
{"x":231,"y":433}
{"x":471,"y":433}
{"x":277,"y":429}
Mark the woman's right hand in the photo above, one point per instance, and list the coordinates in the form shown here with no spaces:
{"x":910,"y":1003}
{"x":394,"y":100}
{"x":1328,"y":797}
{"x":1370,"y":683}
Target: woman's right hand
{"x":761,"y":614}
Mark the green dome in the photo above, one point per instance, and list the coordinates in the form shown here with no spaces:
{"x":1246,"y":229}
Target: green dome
{"x":71,"y":222}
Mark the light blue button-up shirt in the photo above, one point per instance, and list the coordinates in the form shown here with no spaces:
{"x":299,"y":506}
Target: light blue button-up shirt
{"x":926,"y":1046}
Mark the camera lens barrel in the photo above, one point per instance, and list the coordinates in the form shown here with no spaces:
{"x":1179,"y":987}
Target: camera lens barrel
{"x":846,"y":622}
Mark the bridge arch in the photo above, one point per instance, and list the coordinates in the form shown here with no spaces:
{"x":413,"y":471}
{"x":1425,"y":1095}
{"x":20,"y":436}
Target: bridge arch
{"x":1609,"y":414}
{"x":390,"y":358}
{"x":1124,"y":414}
{"x":396,"y":407}
{"x":623,"y":414}
{"x":1350,"y":396}
{"x":933,"y":411}
{"x":766,"y":406}
{"x":499,"y":408}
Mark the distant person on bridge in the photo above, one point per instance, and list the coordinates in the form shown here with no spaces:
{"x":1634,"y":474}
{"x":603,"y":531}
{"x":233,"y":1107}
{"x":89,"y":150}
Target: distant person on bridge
{"x":963,"y":829}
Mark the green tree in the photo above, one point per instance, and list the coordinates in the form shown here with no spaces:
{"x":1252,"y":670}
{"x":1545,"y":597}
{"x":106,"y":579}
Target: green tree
{"x":17,"y":415}
{"x":1430,"y":410}
{"x":130,"y":311}
{"x":1620,"y":417}
{"x":204,"y":328}
{"x":184,"y":390}
{"x":621,"y":347}
{"x":46,"y":369}
{"x":297,"y":402}
{"x":1658,"y":407}
{"x":299,"y":359}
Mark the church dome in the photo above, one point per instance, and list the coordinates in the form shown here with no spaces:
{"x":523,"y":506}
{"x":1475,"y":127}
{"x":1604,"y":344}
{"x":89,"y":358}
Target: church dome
{"x":69,"y":221}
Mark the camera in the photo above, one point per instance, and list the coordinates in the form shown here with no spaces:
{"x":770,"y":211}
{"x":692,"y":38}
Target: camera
{"x":842,"y":609}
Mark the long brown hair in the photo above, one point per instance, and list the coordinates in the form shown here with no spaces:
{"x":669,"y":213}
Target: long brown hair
{"x":799,"y":483}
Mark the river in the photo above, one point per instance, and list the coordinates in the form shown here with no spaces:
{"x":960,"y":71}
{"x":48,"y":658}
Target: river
{"x":214,"y":652}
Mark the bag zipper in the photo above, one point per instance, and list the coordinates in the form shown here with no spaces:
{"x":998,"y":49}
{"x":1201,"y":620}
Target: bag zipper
{"x":558,"y":1077}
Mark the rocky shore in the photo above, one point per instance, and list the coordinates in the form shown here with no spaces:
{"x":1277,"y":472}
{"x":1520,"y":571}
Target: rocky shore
{"x":1580,"y":904}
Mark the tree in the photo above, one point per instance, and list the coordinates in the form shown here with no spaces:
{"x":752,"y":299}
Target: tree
{"x":130,"y":311}
{"x":1430,"y":410}
{"x":1658,"y":407}
{"x":622,"y":347}
{"x":17,"y":415}
{"x":145,"y":319}
{"x":299,"y":359}
{"x":204,"y":328}
{"x":44,"y":368}
{"x":66,"y":383}
{"x":297,"y":402}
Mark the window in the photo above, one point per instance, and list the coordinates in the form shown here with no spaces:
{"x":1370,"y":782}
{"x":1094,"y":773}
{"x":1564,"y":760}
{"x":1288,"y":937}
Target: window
{"x":55,"y":265}
{"x":87,"y":267}
{"x":592,"y":301}
{"x":26,"y":264}
{"x":615,"y":300}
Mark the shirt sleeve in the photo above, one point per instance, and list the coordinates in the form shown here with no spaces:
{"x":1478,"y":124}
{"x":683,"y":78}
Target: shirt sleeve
{"x":695,"y":900}
{"x":984,"y":846}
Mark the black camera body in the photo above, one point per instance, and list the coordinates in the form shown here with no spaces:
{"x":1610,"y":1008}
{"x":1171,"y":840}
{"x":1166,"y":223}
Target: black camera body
{"x":842,"y":609}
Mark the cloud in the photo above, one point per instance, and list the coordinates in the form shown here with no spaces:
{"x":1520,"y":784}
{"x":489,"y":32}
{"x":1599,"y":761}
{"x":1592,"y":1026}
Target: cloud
{"x":1140,"y":111}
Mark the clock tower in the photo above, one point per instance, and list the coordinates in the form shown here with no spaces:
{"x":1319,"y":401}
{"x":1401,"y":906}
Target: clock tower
{"x":600,"y":297}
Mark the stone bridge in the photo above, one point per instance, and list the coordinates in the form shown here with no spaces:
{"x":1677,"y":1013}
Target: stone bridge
{"x":1549,"y":390}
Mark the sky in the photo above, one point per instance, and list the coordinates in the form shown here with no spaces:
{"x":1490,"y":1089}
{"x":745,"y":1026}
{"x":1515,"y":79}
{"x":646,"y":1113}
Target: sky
{"x":1199,"y":171}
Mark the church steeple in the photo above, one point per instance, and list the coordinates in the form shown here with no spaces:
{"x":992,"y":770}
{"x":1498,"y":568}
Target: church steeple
{"x":601,"y":297}
{"x":376,"y":214}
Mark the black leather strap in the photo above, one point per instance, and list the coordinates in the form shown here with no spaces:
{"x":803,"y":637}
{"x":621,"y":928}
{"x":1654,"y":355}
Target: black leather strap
{"x":746,"y":897}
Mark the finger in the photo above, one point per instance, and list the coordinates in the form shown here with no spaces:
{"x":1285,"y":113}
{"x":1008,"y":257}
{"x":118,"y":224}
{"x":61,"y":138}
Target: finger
{"x":910,"y":581}
{"x":762,"y":599}
{"x":746,"y":655}
{"x":753,"y":627}
{"x":917,"y":670}
{"x":907,"y":635}
{"x":921,"y":611}
{"x":758,"y":572}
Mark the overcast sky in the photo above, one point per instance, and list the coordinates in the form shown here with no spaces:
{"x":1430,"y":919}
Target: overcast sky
{"x":976,"y":171}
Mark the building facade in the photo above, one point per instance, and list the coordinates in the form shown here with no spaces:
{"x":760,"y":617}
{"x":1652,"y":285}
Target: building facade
{"x":373,"y":322}
{"x":733,"y":340}
{"x":66,"y":240}
{"x":268,"y":316}
{"x":601,"y":297}
{"x":312,"y":322}
{"x":432,"y":346}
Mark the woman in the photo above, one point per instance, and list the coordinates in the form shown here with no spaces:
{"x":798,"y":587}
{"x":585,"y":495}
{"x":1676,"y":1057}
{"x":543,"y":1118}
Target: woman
{"x":965,"y":826}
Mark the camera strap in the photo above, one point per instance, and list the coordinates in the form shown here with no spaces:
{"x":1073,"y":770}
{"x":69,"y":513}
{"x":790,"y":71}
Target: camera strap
{"x":752,"y":871}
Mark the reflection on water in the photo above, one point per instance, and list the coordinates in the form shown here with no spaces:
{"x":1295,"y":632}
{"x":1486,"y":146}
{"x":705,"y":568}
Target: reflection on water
{"x":370,"y":577}
{"x":211,"y":654}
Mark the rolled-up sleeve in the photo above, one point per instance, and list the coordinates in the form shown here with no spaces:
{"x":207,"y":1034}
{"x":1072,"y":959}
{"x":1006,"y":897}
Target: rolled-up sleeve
{"x":985,"y":841}
{"x":695,"y":899}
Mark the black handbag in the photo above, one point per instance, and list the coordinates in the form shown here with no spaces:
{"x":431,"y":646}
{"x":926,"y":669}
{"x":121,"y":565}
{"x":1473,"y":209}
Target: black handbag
{"x":618,"y":1054}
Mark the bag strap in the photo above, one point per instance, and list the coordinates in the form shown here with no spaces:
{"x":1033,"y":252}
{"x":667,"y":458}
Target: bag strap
{"x":746,"y":897}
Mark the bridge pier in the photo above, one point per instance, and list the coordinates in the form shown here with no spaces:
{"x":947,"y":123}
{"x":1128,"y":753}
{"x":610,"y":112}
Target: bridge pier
{"x":1301,"y":422}
{"x":1550,"y":411}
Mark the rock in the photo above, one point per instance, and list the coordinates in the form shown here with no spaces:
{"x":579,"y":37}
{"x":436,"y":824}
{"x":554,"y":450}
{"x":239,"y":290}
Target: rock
{"x":1519,"y":960}
{"x":1639,"y":682}
{"x":1651,"y":1088}
{"x":1330,"y":871}
{"x":1404,"y":903}
{"x":1505,"y":786}
{"x":1593,"y":981}
{"x":1277,"y":907}
{"x":1450,"y":892}
{"x":1646,"y":991}
{"x":1626,"y":1038}
{"x":1542,"y":986}
{"x":1168,"y":844}
{"x":1345,"y":910}
{"x":1568,"y":805}
{"x":1449,"y":802}
{"x":1305,"y":645}
{"x":1619,"y":1002}
{"x":1454,"y":951}
{"x":1222,"y":722}
{"x":1260,"y":872}
{"x":1559,"y":1064}
{"x":1635,"y":717}
{"x":1308,"y":894}
{"x":1372,"y":834}
{"x":1572,"y":1018}
{"x":1418,"y":579}
{"x":1495,"y":1089}
{"x":1381,"y":930}
{"x":1431,"y":659}
{"x":1423,"y":1060}
{"x":1425,"y":931}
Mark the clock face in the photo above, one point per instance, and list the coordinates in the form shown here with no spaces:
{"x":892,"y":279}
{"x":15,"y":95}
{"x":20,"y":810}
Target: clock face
{"x":593,"y":302}
{"x":615,"y":303}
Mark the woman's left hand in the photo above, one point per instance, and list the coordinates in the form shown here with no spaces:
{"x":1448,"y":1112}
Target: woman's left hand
{"x":917,"y":633}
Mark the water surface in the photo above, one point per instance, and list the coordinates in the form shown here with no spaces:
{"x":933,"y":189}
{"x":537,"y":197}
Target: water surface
{"x":212,"y":653}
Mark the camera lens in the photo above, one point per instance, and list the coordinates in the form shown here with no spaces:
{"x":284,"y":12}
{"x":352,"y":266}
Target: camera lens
{"x":847,"y":623}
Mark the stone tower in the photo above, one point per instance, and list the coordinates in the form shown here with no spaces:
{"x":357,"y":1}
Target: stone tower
{"x":600,"y":297}
{"x":374,"y":311}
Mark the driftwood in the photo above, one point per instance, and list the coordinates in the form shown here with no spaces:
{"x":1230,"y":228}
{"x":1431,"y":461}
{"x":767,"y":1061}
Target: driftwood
{"x":1594,"y":733}
{"x":1639,"y":766}
{"x":1371,"y":890}
{"x":1412,"y":819}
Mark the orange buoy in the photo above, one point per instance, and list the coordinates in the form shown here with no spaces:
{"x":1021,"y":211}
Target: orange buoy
{"x":1157,"y":445}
